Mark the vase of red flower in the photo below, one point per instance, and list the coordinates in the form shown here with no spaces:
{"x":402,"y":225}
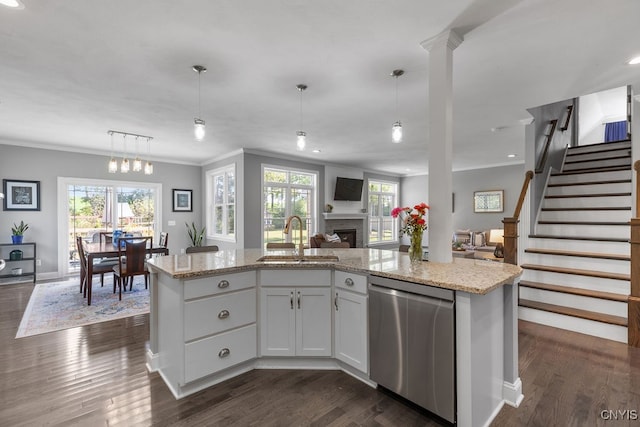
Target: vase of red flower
{"x":413,"y":223}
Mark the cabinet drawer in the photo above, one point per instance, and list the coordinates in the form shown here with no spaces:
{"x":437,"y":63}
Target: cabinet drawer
{"x":295,"y":277}
{"x":216,"y":314}
{"x":351,"y":282}
{"x":217,"y":284}
{"x":213,"y":354}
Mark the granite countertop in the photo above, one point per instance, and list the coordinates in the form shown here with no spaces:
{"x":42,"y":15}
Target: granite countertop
{"x":467,"y":275}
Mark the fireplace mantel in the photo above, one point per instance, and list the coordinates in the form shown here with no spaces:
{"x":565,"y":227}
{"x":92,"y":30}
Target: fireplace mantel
{"x":332,"y":215}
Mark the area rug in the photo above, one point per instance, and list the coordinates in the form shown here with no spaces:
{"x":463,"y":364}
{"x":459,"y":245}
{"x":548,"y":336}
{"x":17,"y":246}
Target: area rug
{"x":57,"y":306}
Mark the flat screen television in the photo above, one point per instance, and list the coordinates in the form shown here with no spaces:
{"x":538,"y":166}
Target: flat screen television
{"x":348,"y":189}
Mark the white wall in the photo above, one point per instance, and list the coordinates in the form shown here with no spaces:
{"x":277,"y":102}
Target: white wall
{"x":341,"y":206}
{"x":599,"y":108}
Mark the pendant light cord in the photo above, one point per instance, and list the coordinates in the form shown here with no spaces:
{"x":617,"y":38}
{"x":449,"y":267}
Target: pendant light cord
{"x":199,"y":95}
{"x":301,"y":116}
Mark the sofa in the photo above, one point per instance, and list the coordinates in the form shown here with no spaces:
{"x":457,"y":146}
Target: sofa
{"x":319,"y":241}
{"x":473,"y":240}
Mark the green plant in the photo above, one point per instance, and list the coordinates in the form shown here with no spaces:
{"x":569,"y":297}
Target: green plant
{"x":18,"y":230}
{"x":195,"y":235}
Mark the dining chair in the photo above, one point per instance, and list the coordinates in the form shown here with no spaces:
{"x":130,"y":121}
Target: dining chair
{"x":132,"y":261}
{"x":288,"y":245}
{"x":164,"y":239}
{"x":98,"y":268}
{"x":195,"y":249}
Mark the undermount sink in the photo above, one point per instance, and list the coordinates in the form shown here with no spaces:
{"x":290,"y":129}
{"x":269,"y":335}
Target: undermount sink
{"x":294,"y":259}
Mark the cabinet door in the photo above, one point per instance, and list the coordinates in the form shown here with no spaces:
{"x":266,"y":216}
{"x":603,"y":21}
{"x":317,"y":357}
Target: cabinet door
{"x":313,"y":321}
{"x":278,"y":322}
{"x":351,"y":332}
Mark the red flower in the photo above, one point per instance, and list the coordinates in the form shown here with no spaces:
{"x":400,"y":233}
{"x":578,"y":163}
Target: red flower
{"x":412,"y":218}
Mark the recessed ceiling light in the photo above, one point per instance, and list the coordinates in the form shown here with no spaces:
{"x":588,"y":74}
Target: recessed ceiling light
{"x":634,"y":61}
{"x":316,"y":150}
{"x":511,"y":156}
{"x":15,"y":4}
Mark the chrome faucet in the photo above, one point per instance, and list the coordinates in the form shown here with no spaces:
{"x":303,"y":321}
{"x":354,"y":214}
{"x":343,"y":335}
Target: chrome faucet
{"x":286,"y":231}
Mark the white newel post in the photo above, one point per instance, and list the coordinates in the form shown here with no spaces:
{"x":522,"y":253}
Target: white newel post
{"x":440,"y":142}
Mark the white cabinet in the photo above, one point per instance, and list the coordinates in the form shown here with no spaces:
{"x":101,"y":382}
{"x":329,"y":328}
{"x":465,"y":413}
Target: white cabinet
{"x":351,"y":331}
{"x":295,"y":320}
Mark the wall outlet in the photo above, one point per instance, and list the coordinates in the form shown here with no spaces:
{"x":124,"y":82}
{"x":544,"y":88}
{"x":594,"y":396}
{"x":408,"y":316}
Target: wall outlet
{"x":182,"y":250}
{"x":39,"y":262}
{"x":171,"y":223}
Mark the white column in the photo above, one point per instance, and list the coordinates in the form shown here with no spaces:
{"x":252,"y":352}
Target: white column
{"x":440,"y":142}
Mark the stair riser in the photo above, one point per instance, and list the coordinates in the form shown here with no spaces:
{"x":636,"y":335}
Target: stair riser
{"x":588,"y":327}
{"x":590,"y":177}
{"x":584,"y":282}
{"x":597,"y":164}
{"x":598,"y":155}
{"x":597,"y":305}
{"x":619,"y":248}
{"x":621,"y":187}
{"x":586,"y":215}
{"x":587,"y":202}
{"x":582,"y":263}
{"x":609,"y":231}
{"x":599,"y":147}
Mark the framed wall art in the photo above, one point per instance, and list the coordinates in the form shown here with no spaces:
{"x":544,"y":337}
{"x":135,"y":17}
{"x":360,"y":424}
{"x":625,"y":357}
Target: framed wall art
{"x":21,"y":195}
{"x":488,"y":201}
{"x":182,"y":200}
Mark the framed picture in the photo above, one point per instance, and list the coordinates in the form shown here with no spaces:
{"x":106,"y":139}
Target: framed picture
{"x":488,"y":201}
{"x":21,"y":195}
{"x":182,"y":200}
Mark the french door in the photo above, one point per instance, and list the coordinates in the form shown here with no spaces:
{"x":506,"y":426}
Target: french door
{"x":87,"y":207}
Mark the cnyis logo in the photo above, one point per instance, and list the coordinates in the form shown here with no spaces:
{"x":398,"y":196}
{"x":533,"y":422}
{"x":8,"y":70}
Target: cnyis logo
{"x":619,"y":414}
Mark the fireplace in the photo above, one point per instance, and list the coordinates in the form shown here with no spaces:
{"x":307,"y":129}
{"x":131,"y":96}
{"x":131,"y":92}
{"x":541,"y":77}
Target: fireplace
{"x":347,"y":235}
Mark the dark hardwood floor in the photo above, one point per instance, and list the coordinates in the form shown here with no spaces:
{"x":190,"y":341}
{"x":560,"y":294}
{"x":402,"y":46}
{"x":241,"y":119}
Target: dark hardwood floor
{"x":96,"y":375}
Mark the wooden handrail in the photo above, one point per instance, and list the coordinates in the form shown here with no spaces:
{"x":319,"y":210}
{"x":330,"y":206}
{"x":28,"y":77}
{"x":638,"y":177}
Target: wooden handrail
{"x":566,"y":118}
{"x":510,"y":234}
{"x":528,"y":176}
{"x":547,"y":144}
{"x":636,"y":167}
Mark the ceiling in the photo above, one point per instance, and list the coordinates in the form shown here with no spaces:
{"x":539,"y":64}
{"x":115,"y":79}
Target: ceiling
{"x":72,"y":70}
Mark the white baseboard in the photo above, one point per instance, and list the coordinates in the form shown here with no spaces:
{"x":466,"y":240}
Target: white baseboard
{"x":512,"y":393}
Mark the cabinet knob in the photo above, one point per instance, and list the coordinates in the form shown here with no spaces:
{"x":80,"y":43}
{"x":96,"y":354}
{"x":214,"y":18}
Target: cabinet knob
{"x":223,"y":284}
{"x":223,"y":314}
{"x":348,"y":281}
{"x":224,"y":352}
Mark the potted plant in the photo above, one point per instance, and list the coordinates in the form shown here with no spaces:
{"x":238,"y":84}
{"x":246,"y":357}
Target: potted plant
{"x":17,"y":232}
{"x":195,"y":235}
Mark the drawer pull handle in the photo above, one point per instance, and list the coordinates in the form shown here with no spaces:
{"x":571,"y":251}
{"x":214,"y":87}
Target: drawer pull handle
{"x":223,"y":314}
{"x":223,"y":284}
{"x":224,"y":352}
{"x":298,"y":300}
{"x":348,"y":281}
{"x":291,"y":300}
{"x":335,"y":301}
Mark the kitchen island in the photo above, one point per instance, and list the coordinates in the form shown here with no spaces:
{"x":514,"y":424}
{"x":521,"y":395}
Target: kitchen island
{"x":216,"y":315}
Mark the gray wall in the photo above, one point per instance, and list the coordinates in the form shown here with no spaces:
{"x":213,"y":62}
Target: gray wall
{"x":47,"y":165}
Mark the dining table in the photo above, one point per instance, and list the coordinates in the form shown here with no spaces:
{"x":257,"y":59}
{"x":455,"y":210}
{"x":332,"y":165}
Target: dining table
{"x":96,"y":250}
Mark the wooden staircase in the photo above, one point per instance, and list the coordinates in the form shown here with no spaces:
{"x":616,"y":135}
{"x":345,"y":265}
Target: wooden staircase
{"x":577,"y":270}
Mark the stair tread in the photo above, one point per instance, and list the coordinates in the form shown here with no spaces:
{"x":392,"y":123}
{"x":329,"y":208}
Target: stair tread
{"x":593,"y":170}
{"x":573,"y":162}
{"x":606,"y":146}
{"x":575,"y":312}
{"x":571,"y":152}
{"x":577,"y":271}
{"x":571,"y":184}
{"x":564,"y":252}
{"x":575,"y":291}
{"x":594,"y":208}
{"x":569,"y":196}
{"x":596,"y":239}
{"x":586,"y":222}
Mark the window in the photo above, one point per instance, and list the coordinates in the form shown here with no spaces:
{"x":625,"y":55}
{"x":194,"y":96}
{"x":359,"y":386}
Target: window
{"x":221,"y":203}
{"x":287,"y":192}
{"x":91,"y":206}
{"x":382,"y":199}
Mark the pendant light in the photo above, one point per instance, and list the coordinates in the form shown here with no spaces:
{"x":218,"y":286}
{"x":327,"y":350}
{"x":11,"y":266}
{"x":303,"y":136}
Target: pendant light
{"x":302,"y":135}
{"x":198,"y":123}
{"x":137,"y":163}
{"x":148,"y":167}
{"x":113,"y":163}
{"x":396,"y":129}
{"x":124,"y":166}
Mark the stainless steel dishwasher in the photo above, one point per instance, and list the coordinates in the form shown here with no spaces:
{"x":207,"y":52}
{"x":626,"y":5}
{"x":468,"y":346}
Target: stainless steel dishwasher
{"x":412,"y":343}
